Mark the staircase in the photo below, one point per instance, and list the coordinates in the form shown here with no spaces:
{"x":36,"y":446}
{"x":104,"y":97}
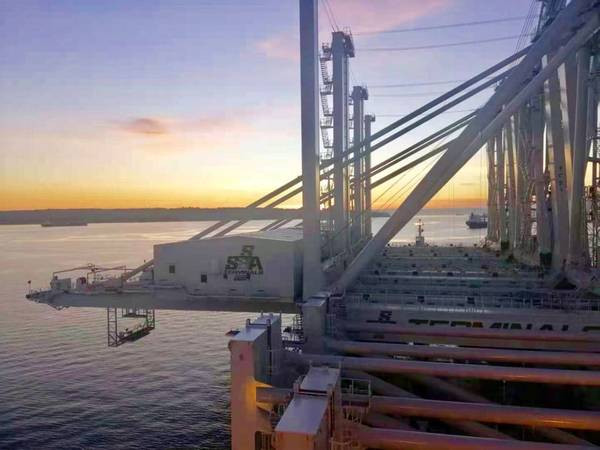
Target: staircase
{"x":325,"y":91}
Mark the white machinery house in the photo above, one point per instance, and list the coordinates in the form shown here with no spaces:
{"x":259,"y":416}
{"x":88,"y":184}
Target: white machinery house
{"x":261,"y":264}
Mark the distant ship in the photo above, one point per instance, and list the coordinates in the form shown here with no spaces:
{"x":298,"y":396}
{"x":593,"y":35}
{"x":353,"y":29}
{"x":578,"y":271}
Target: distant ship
{"x":64,"y":224}
{"x":477,"y":221}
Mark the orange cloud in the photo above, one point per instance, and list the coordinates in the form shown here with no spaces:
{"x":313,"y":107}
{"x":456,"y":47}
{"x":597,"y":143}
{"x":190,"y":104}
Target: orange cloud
{"x":178,"y":135}
{"x":146,"y":126}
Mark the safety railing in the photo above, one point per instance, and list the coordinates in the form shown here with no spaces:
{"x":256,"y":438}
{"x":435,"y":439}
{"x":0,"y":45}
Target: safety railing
{"x":423,"y":301}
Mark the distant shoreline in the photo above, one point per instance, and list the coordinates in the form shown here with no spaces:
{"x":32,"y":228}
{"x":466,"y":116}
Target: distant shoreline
{"x":146,"y":215}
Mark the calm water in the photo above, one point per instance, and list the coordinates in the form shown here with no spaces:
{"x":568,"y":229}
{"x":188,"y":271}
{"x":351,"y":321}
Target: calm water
{"x":61,"y":387}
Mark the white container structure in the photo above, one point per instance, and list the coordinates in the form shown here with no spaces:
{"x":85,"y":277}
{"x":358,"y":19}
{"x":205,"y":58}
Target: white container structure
{"x":260,"y":264}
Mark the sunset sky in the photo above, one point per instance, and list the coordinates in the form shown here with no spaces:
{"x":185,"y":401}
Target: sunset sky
{"x":144,"y":103}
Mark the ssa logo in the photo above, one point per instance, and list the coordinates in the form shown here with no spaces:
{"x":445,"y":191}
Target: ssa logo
{"x":241,"y":267}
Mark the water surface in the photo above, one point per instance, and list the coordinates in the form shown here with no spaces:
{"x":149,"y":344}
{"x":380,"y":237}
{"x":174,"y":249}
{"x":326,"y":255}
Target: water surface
{"x":62,"y":387}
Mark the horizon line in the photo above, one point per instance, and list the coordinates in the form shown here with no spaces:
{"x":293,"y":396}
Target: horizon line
{"x":210,"y":208}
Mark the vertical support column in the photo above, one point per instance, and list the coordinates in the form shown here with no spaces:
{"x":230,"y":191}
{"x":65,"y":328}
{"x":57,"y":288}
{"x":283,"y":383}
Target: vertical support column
{"x":348,"y":169}
{"x":522,"y":167}
{"x":501,"y":199}
{"x":594,"y":216}
{"x":512,"y":184}
{"x":369,"y":119}
{"x":558,"y":166}
{"x":492,"y":234}
{"x":567,"y":75}
{"x":578,"y":252}
{"x":542,"y":223}
{"x":309,"y":81}
{"x":359,"y":95}
{"x":314,"y":322}
{"x":341,"y":49}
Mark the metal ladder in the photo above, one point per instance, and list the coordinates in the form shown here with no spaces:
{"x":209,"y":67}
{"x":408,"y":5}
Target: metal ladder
{"x":353,"y":413}
{"x":326,"y":90}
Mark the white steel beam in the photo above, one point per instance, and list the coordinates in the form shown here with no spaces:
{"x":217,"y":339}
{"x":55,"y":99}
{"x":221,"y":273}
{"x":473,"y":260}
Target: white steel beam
{"x":359,"y":95}
{"x":512,"y":183}
{"x":557,"y":162}
{"x":568,"y":81}
{"x":309,"y":82}
{"x":592,"y":127}
{"x":522,"y":150}
{"x":501,"y":196}
{"x":492,"y":230}
{"x":578,"y":251}
{"x":369,"y":119}
{"x":340,"y":140}
{"x":542,"y":222}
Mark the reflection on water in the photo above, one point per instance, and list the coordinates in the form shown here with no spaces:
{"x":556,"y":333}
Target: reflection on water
{"x":61,"y":387}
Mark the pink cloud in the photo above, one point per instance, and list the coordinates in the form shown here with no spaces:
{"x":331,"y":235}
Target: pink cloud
{"x":381,"y":15}
{"x":359,"y":15}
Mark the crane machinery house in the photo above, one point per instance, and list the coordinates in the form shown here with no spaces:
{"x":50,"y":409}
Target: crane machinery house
{"x":260,"y":264}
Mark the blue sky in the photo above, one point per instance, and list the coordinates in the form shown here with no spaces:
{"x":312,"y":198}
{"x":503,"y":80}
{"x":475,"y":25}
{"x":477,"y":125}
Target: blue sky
{"x":220,"y":80}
